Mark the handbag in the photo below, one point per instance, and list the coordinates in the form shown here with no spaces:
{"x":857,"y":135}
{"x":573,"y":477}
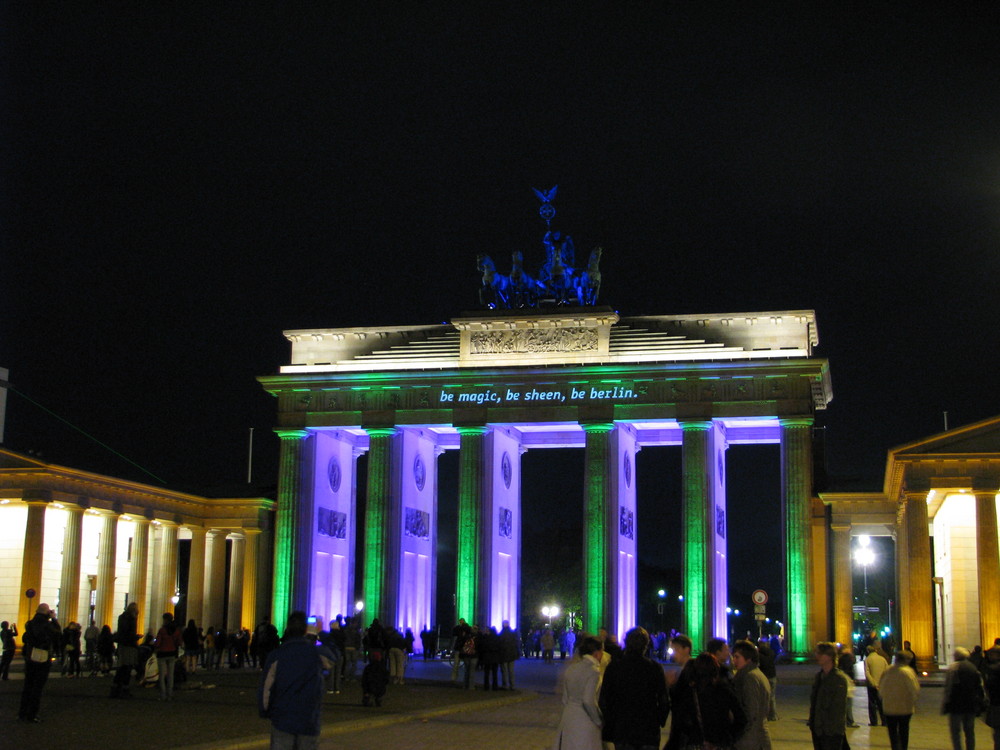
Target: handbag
{"x":39,"y":655}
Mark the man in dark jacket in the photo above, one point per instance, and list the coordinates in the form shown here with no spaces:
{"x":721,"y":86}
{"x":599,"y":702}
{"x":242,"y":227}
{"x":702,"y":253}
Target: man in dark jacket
{"x":290,"y":693}
{"x":633,"y":699}
{"x":127,"y":638}
{"x":510,"y":652}
{"x":963,"y":699}
{"x":41,"y":636}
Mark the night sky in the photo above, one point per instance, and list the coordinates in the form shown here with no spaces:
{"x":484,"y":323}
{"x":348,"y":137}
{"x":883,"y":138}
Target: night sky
{"x":178,"y":188}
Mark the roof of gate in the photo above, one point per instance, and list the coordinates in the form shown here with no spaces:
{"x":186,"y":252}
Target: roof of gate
{"x":562,"y":336}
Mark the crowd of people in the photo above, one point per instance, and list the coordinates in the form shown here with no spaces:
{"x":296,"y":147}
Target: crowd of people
{"x":722,"y":697}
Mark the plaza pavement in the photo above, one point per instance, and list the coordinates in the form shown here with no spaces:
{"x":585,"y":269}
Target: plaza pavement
{"x":427,"y":712}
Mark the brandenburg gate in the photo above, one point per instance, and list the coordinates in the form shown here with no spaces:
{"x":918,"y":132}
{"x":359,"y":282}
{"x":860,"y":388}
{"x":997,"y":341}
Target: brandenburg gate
{"x":495,"y":384}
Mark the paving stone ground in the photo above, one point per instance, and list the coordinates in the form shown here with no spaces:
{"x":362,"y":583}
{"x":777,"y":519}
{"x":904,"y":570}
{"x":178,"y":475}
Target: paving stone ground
{"x":427,"y":712}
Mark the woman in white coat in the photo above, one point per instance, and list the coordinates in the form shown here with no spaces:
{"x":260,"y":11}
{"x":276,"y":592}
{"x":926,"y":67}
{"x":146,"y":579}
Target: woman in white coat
{"x":580,"y":726}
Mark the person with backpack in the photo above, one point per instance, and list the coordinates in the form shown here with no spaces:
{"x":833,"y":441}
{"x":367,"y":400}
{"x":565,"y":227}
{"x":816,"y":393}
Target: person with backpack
{"x":41,"y":636}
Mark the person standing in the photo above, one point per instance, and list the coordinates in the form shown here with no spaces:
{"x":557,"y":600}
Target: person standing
{"x":633,"y":698}
{"x":41,"y":636}
{"x":898,"y":690}
{"x":290,"y":692}
{"x":754,"y":693}
{"x":459,"y":634}
{"x":168,"y":643}
{"x":719,"y":648}
{"x":706,"y":711}
{"x":678,"y":681}
{"x":769,"y":669}
{"x":127,"y":638}
{"x":963,"y":699}
{"x":7,"y":635}
{"x":510,"y":651}
{"x":845,"y":663}
{"x":580,"y":723}
{"x":875,"y":666}
{"x":991,"y":672}
{"x":90,"y":639}
{"x":828,"y":701}
{"x":192,"y":646}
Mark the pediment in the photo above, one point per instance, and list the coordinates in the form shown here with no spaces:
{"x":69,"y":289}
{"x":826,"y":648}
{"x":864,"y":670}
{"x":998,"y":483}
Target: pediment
{"x":977,"y":438}
{"x":11,"y":460}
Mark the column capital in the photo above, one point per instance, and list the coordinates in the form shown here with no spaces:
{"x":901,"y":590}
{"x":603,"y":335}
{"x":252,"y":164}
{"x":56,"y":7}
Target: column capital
{"x":840,"y":526}
{"x":796,"y":421}
{"x":36,"y":497}
{"x":695,"y":425}
{"x":479,"y":429}
{"x":291,"y":434}
{"x":196,"y":529}
{"x":597,"y":428}
{"x":380,"y":431}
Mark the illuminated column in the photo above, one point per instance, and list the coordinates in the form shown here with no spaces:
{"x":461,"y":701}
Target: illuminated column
{"x":104,"y":608}
{"x":215,"y":580}
{"x":137,"y":570}
{"x":286,"y":529}
{"x":918,"y":619}
{"x":250,"y":559}
{"x":168,"y":569}
{"x":697,"y":569}
{"x":69,"y":582}
{"x":196,"y":577}
{"x":842,"y":580}
{"x":796,"y":491}
{"x":987,"y":565}
{"x":31,"y":560}
{"x":468,"y":603}
{"x":377,"y":522}
{"x":236,"y":561}
{"x":597,"y":527}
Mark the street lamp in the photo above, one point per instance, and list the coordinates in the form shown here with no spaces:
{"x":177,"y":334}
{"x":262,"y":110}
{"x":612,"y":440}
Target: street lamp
{"x":550,"y":612}
{"x":865,"y":556}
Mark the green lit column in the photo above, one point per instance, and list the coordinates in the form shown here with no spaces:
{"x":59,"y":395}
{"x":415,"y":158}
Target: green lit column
{"x":286,"y":525}
{"x":697,"y":571}
{"x":597,"y":527}
{"x":796,"y":491}
{"x":468,"y":605}
{"x":376,"y":562}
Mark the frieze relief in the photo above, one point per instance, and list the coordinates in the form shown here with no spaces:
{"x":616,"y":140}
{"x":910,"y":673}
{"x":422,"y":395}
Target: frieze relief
{"x":537,"y":341}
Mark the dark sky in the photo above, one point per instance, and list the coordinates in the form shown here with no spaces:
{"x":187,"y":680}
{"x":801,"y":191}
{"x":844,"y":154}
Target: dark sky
{"x":180,"y":187}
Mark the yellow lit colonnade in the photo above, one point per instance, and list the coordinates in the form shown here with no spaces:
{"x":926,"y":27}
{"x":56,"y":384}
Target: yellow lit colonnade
{"x":87,"y":544}
{"x":496,"y":385}
{"x":939,"y":503}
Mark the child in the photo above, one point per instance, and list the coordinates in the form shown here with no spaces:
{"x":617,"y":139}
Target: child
{"x":374,"y":678}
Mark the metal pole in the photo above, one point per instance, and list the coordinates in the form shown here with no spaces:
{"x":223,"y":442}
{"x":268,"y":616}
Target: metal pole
{"x":250,"y":458}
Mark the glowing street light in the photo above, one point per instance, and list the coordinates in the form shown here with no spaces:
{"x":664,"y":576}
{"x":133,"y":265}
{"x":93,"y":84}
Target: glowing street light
{"x":358,"y":606}
{"x":865,"y":556}
{"x":550,"y":612}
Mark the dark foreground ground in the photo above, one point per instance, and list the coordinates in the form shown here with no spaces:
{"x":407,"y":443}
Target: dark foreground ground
{"x":77,"y":713}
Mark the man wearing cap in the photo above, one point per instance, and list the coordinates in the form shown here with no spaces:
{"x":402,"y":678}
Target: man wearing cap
{"x":41,"y":635}
{"x":963,"y":699}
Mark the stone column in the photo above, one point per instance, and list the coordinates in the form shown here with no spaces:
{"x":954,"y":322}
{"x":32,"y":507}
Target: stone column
{"x":31,"y":561}
{"x":69,"y":582}
{"x":234,"y":614}
{"x":104,"y":611}
{"x":250,"y":567}
{"x":597,"y":528}
{"x":168,"y":569}
{"x":843,"y":612}
{"x":468,"y":597}
{"x":137,"y":571}
{"x":918,"y":622}
{"x":696,"y":577}
{"x":196,"y":577}
{"x":796,"y":497}
{"x":215,"y":580}
{"x":286,"y":532}
{"x":987,"y":566}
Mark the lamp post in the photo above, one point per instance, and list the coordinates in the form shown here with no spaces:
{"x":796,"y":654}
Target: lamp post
{"x":865,"y":556}
{"x":549,"y":612}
